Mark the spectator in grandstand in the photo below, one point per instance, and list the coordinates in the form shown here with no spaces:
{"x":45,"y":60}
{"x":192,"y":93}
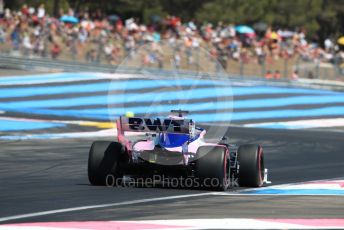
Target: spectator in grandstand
{"x":97,"y":38}
{"x":55,"y":51}
{"x":2,"y":35}
{"x":268,"y":75}
{"x":295,"y":75}
{"x":277,"y":74}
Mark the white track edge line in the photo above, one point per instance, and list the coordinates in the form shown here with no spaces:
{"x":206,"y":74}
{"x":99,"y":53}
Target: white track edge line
{"x":81,"y":208}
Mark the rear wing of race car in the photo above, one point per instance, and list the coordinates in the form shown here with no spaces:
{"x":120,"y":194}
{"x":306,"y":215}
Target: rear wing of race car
{"x":156,"y":125}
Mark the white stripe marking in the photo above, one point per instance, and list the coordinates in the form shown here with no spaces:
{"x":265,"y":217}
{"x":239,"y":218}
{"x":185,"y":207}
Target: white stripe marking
{"x":303,"y":124}
{"x":286,"y":186}
{"x":228,"y":223}
{"x":253,"y":194}
{"x":41,"y":79}
{"x":101,"y":133}
{"x":56,"y":78}
{"x":81,"y":208}
{"x":320,"y":82}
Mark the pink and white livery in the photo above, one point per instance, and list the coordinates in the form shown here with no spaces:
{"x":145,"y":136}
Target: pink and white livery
{"x":173,"y":148}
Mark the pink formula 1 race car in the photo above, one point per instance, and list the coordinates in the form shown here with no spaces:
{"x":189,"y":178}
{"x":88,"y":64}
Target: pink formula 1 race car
{"x":163,"y":149}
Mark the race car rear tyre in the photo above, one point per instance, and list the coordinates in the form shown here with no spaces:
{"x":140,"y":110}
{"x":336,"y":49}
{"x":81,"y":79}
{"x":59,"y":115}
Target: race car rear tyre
{"x":251,"y":165}
{"x":212,"y":167}
{"x":103,"y":160}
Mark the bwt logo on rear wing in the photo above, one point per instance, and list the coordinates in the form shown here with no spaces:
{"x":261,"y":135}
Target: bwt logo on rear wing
{"x":137,"y":124}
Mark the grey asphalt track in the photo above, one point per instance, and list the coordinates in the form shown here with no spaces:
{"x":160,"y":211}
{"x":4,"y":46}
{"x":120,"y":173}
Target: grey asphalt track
{"x":42,"y":175}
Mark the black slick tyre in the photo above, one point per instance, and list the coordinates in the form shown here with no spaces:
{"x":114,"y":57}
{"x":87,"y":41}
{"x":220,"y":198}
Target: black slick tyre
{"x":251,"y":165}
{"x":103,"y":160}
{"x":212,"y":167}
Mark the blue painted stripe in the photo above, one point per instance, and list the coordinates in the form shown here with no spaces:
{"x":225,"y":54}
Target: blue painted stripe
{"x":121,"y":98}
{"x":286,"y":101}
{"x":275,"y":126}
{"x":13,"y":125}
{"x":289,"y":113}
{"x":105,"y":114}
{"x":42,"y":136}
{"x":180,"y":95}
{"x":99,"y":87}
{"x":60,"y":77}
{"x":237,"y":104}
{"x":296,"y":192}
{"x":130,"y":85}
{"x":207,"y":106}
{"x":45,"y":78}
{"x":24,"y":78}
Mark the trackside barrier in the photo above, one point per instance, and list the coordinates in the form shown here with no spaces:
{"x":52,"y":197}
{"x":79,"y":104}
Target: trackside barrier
{"x":48,"y":65}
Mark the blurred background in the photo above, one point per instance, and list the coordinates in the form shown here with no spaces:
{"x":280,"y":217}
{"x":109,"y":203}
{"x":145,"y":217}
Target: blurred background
{"x":269,"y":38}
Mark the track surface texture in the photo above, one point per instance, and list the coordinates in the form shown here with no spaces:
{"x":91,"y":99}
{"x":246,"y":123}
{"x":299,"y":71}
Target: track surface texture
{"x":42,"y":175}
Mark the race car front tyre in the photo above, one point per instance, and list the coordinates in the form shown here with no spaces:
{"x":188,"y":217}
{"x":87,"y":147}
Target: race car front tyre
{"x":212,"y":167}
{"x":251,"y":165}
{"x":103,"y":162}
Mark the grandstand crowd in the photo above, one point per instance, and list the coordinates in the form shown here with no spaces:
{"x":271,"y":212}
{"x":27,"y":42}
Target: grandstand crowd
{"x":95,"y":37}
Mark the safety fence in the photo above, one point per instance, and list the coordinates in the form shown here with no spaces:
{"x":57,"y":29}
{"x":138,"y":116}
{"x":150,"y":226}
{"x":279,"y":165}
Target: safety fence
{"x":172,"y":60}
